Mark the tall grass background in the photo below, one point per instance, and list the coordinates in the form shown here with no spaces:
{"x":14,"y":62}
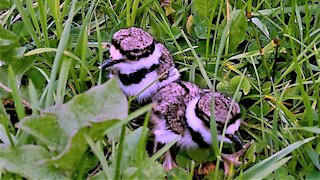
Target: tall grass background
{"x":263,"y":53}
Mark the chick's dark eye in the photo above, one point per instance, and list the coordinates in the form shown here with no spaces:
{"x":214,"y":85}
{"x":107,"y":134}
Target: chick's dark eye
{"x":129,"y":60}
{"x":130,"y":57}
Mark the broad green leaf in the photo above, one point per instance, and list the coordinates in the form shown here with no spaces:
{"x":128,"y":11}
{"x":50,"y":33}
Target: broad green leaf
{"x":4,"y":137}
{"x":265,"y":167}
{"x":317,"y":149}
{"x":131,"y":146}
{"x":223,"y":86}
{"x":72,"y":155}
{"x":199,"y":154}
{"x":177,"y":173}
{"x":130,"y":117}
{"x":98,"y":128}
{"x":245,"y":84}
{"x":315,"y":174}
{"x":62,"y":128}
{"x":20,"y":66}
{"x":8,"y":39}
{"x":201,"y":26}
{"x":201,"y":32}
{"x":176,"y":32}
{"x":77,"y":145}
{"x":201,"y":21}
{"x":47,"y":129}
{"x":238,"y":28}
{"x":129,"y":172}
{"x":100,"y":103}
{"x":26,"y":161}
{"x":11,"y":53}
{"x":5,"y":4}
{"x":251,"y":153}
{"x":203,"y":7}
{"x":20,"y":29}
{"x":266,"y":87}
{"x":153,"y":171}
{"x":182,"y":159}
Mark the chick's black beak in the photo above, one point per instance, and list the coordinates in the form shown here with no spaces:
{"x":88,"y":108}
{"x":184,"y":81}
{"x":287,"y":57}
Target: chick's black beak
{"x":236,"y":139}
{"x":107,"y":63}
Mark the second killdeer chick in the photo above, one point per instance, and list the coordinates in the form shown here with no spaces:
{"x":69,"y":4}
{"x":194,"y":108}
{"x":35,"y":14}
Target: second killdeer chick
{"x":182,"y":112}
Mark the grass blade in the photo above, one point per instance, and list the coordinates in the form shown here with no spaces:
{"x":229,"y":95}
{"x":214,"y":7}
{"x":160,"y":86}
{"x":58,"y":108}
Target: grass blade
{"x":58,"y":58}
{"x":153,"y":158}
{"x":27,"y":22}
{"x":99,"y":153}
{"x":266,"y":171}
{"x":33,"y":98}
{"x":119,"y":153}
{"x":199,"y":62}
{"x":63,"y":78}
{"x":258,"y":169}
{"x":130,"y":117}
{"x":16,"y":95}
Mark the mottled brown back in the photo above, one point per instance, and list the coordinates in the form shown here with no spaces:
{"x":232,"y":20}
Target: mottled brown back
{"x":171,"y":103}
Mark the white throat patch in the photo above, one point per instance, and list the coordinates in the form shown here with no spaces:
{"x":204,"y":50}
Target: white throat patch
{"x":232,"y":128}
{"x":115,"y":53}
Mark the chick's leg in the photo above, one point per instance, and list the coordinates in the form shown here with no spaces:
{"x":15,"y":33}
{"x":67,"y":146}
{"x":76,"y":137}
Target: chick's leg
{"x":229,"y":159}
{"x":168,"y":162}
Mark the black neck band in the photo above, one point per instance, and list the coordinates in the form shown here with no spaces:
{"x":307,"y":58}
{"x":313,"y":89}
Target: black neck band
{"x":136,"y":77}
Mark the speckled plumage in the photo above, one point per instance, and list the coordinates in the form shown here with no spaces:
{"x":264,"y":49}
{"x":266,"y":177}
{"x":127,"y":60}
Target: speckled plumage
{"x":141,"y":65}
{"x":133,"y":42}
{"x":166,"y":62}
{"x":182,"y":111}
{"x":199,"y":112}
{"x":222,"y":106}
{"x":170,"y":106}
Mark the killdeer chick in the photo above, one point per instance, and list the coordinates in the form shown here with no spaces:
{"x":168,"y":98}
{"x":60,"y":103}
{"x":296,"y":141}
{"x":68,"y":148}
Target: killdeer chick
{"x":141,"y":65}
{"x":169,"y":117}
{"x":182,"y":112}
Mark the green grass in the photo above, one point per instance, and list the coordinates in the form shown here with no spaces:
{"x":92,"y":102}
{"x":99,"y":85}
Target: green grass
{"x":264,"y":54}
